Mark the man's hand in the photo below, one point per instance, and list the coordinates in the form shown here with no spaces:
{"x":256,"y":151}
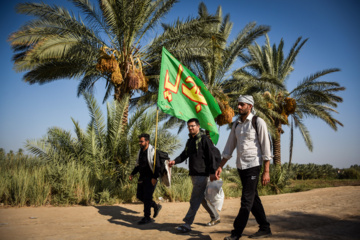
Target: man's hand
{"x":153,"y":181}
{"x":218,"y":172}
{"x":131,"y":177}
{"x":265,"y":178}
{"x":213,"y":177}
{"x":171,"y":163}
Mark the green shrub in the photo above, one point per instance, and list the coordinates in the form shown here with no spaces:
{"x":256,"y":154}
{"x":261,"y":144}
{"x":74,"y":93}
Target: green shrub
{"x":126,"y":191}
{"x":350,"y":173}
{"x":181,"y":187}
{"x":105,"y":197}
{"x":312,"y":171}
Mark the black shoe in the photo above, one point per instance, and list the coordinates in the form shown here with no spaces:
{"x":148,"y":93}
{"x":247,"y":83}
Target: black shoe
{"x":232,"y":237}
{"x":157,"y":210}
{"x":145,"y":221}
{"x":261,"y":234}
{"x":185,"y":228}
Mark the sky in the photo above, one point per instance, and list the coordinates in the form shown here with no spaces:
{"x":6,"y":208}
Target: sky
{"x":331,"y":26}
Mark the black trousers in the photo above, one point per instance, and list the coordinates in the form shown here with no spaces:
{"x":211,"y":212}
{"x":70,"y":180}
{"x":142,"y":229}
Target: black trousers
{"x":144,"y":193}
{"x":250,"y":202}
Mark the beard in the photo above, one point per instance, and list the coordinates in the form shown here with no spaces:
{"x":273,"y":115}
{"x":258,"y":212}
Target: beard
{"x":244,"y":113}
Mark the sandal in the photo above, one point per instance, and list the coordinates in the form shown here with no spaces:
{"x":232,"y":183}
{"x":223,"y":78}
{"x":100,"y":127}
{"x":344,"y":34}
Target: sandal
{"x":213,"y":222}
{"x":183,"y":229}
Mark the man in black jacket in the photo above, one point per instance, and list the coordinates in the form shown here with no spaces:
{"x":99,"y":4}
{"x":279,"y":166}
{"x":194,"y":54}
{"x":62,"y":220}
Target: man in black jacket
{"x":198,"y":150}
{"x":148,"y":177}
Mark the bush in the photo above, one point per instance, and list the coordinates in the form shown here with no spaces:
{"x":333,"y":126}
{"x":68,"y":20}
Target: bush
{"x":181,"y":187}
{"x":30,"y":181}
{"x":311,"y":171}
{"x":280,"y":178}
{"x":350,"y":173}
{"x":23,"y":181}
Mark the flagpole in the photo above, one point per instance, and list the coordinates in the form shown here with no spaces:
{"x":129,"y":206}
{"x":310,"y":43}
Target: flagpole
{"x":156,"y":130}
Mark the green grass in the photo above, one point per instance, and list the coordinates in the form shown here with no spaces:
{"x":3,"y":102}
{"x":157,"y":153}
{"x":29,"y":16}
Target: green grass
{"x":305,"y":185}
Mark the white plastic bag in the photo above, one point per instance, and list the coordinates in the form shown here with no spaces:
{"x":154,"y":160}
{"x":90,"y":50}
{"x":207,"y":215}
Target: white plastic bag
{"x":166,"y":178}
{"x":215,"y":194}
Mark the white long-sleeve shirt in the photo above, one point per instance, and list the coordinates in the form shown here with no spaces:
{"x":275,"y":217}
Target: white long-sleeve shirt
{"x":252,"y":148}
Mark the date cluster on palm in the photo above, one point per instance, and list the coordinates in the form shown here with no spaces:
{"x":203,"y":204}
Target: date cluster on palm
{"x":131,"y":75}
{"x":285,"y":106}
{"x":227,"y":114}
{"x":289,"y":106}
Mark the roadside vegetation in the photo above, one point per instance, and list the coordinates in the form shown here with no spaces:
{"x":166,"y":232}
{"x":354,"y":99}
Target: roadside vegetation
{"x":91,"y":167}
{"x":32,"y":181}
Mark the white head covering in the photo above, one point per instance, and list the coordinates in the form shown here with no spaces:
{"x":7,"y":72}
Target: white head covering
{"x":247,"y":99}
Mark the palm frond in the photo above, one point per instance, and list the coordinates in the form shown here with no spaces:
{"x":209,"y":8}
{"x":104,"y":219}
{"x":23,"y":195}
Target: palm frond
{"x":97,"y":119}
{"x":304,"y":132}
{"x":286,"y":67}
{"x":115,"y":127}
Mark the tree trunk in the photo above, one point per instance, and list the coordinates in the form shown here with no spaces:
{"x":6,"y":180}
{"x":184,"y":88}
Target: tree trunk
{"x":291,"y":142}
{"x":277,"y":145}
{"x":126,"y":116}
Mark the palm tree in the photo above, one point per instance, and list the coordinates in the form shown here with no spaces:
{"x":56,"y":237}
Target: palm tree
{"x":215,"y":66}
{"x":105,"y":46}
{"x":264,"y":76}
{"x":109,"y":149}
{"x":214,"y":62}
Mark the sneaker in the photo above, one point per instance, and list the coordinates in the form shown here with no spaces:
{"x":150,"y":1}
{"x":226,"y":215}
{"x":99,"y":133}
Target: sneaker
{"x":213,"y":222}
{"x":261,"y":234}
{"x":232,"y":237}
{"x":157,"y":210}
{"x":145,"y":221}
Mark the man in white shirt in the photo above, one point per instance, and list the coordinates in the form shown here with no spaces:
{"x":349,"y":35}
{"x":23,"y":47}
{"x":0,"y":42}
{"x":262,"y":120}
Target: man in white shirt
{"x":253,"y":149}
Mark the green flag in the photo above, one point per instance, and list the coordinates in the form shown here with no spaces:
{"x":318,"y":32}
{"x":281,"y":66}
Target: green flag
{"x":183,"y":95}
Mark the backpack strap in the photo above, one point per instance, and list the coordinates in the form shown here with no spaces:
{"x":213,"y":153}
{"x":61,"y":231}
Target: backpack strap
{"x":254,"y":124}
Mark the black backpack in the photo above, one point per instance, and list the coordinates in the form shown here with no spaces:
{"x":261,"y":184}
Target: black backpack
{"x":162,"y":157}
{"x":216,"y":156}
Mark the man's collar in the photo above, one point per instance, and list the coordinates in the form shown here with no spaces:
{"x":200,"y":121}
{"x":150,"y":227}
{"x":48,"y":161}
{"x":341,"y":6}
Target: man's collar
{"x":250,"y":116}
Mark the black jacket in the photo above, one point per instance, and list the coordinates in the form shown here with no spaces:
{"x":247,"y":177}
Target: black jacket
{"x":144,"y":169}
{"x":198,"y":151}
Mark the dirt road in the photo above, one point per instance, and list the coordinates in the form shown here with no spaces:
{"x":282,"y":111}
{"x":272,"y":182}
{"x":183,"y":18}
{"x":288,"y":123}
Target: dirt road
{"x":327,"y":213}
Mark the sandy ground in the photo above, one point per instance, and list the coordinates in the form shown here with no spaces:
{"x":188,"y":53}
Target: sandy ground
{"x":328,"y":213}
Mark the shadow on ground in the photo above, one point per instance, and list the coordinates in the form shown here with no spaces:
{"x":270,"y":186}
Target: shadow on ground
{"x":300,"y":225}
{"x":315,"y":226}
{"x":125,"y":217}
{"x":290,"y":225}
